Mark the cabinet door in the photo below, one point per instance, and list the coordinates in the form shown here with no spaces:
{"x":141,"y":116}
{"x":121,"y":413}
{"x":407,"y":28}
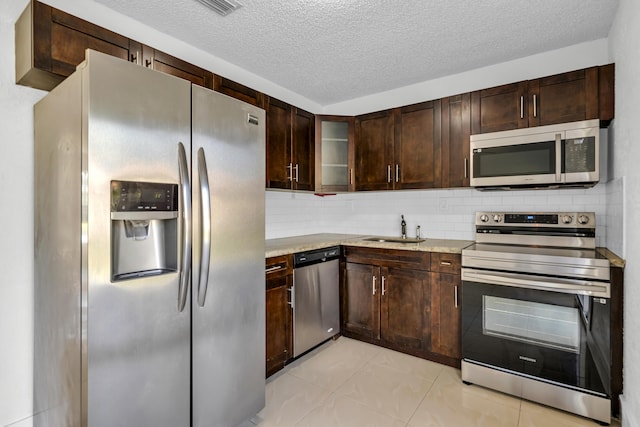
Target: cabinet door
{"x":417,"y":146}
{"x":278,"y":324}
{"x":238,"y":91}
{"x":405,"y":307}
{"x":278,"y":144}
{"x":334,"y":153}
{"x":566,"y":97}
{"x":445,"y":314}
{"x":374,"y":151}
{"x":303,"y":152}
{"x":456,"y":129}
{"x":361,"y":300}
{"x":165,"y":63}
{"x":499,"y":108}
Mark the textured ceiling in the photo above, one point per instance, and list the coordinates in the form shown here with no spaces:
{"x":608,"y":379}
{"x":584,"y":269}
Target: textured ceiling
{"x":336,"y":50}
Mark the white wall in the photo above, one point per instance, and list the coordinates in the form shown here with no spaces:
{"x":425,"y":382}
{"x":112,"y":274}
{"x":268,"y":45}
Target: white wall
{"x":443,"y":213}
{"x":16,"y":243}
{"x":625,"y":51}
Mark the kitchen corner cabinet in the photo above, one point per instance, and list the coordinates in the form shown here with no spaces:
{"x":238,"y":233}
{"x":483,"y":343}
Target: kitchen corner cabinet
{"x":334,"y":153}
{"x":51,"y":43}
{"x":279,"y":344}
{"x":157,"y":60}
{"x":385,"y":298}
{"x":404,"y":300}
{"x":290,"y":147}
{"x":445,"y":304}
{"x":399,"y":149}
{"x":567,"y":97}
{"x":456,"y":129}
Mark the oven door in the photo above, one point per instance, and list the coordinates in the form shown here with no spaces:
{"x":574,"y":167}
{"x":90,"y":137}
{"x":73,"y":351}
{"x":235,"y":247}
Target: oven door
{"x":555,"y":329}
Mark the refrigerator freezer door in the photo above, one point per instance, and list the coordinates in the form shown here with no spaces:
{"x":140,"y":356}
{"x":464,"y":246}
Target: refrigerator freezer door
{"x":138,"y":341}
{"x":228,"y":306}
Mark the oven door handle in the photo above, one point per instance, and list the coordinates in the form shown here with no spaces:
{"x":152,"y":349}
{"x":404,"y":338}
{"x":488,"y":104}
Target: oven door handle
{"x":567,"y":286}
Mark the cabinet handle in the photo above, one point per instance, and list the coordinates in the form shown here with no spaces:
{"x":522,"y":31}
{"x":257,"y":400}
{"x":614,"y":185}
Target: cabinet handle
{"x":388,"y":173}
{"x":397,"y":172}
{"x":535,"y":106}
{"x":351,"y":176}
{"x":522,"y":107}
{"x":373,"y":287}
{"x":134,"y":57}
{"x":292,"y":292}
{"x":296,"y":168}
{"x":447,"y":263}
{"x":455,"y":289}
{"x":466,"y":161}
{"x":383,"y":289}
{"x":147,"y":63}
{"x":290,"y":172}
{"x":274,"y":268}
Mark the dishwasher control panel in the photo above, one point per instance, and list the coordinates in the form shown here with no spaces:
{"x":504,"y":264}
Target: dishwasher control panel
{"x":315,"y":256}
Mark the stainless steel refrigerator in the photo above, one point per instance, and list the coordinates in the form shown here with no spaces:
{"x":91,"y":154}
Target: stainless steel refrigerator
{"x":149,"y":252}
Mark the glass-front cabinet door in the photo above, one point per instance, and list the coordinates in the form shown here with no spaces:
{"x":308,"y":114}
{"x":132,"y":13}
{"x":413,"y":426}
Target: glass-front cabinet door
{"x":334,"y":153}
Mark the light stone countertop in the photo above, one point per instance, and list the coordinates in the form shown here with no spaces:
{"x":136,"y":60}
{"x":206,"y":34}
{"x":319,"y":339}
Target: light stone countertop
{"x":290,"y":245}
{"x":614,"y":259}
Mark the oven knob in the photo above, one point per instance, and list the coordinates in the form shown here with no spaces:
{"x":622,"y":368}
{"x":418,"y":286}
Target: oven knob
{"x":583,"y":219}
{"x":566,"y":219}
{"x":497,"y":218}
{"x":484,"y":217}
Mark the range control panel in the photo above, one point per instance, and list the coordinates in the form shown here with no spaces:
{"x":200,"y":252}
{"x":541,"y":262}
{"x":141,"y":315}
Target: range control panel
{"x":537,"y":219}
{"x":135,"y":196}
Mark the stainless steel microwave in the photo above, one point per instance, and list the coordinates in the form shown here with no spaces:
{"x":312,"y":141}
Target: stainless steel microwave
{"x":566,"y":154}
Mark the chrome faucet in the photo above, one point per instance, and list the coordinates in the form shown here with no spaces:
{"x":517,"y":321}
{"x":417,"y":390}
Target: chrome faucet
{"x":417,"y":232}
{"x":403,"y":226}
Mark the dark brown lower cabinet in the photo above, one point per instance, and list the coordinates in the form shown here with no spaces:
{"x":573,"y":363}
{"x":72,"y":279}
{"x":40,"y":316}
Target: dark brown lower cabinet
{"x":279,"y":343}
{"x":390,"y":298}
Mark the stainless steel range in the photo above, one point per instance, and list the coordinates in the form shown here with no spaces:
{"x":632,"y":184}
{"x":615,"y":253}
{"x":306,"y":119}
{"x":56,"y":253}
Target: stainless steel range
{"x":536,"y":310}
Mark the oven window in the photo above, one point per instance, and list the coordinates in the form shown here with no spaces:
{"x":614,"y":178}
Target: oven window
{"x":546,"y":325}
{"x":512,"y":160}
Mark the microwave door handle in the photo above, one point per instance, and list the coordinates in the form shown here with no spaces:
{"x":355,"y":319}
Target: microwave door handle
{"x":185,"y":243}
{"x":559,"y":158}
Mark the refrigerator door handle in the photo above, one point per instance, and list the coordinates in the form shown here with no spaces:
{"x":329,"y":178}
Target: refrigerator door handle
{"x":185,"y":200}
{"x":205,"y":217}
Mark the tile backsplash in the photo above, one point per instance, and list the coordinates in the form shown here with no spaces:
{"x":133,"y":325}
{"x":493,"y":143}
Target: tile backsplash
{"x":443,"y":214}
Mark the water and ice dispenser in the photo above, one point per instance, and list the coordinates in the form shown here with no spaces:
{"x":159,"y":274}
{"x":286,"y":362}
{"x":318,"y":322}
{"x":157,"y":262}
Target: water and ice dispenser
{"x":144,"y":229}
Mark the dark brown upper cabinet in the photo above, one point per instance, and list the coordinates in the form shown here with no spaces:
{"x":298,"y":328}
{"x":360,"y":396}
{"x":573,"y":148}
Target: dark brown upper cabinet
{"x":157,"y":60}
{"x":290,"y":147}
{"x":456,"y":129}
{"x":334,"y":153}
{"x":51,"y":43}
{"x":567,"y":97}
{"x":238,"y":91}
{"x":399,"y":148}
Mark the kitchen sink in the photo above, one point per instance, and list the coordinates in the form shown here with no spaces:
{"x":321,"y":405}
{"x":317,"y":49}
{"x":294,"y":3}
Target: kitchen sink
{"x":394,"y":239}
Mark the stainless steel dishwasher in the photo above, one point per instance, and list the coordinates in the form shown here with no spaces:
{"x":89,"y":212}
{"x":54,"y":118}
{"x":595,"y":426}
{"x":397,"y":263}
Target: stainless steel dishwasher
{"x":315,"y":298}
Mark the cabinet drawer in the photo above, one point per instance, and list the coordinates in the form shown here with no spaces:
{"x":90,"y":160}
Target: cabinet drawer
{"x":278,"y":267}
{"x":445,"y":263}
{"x":417,"y":260}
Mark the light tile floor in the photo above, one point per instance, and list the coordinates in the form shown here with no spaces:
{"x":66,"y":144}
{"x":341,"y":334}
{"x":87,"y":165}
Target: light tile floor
{"x":349,"y":383}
